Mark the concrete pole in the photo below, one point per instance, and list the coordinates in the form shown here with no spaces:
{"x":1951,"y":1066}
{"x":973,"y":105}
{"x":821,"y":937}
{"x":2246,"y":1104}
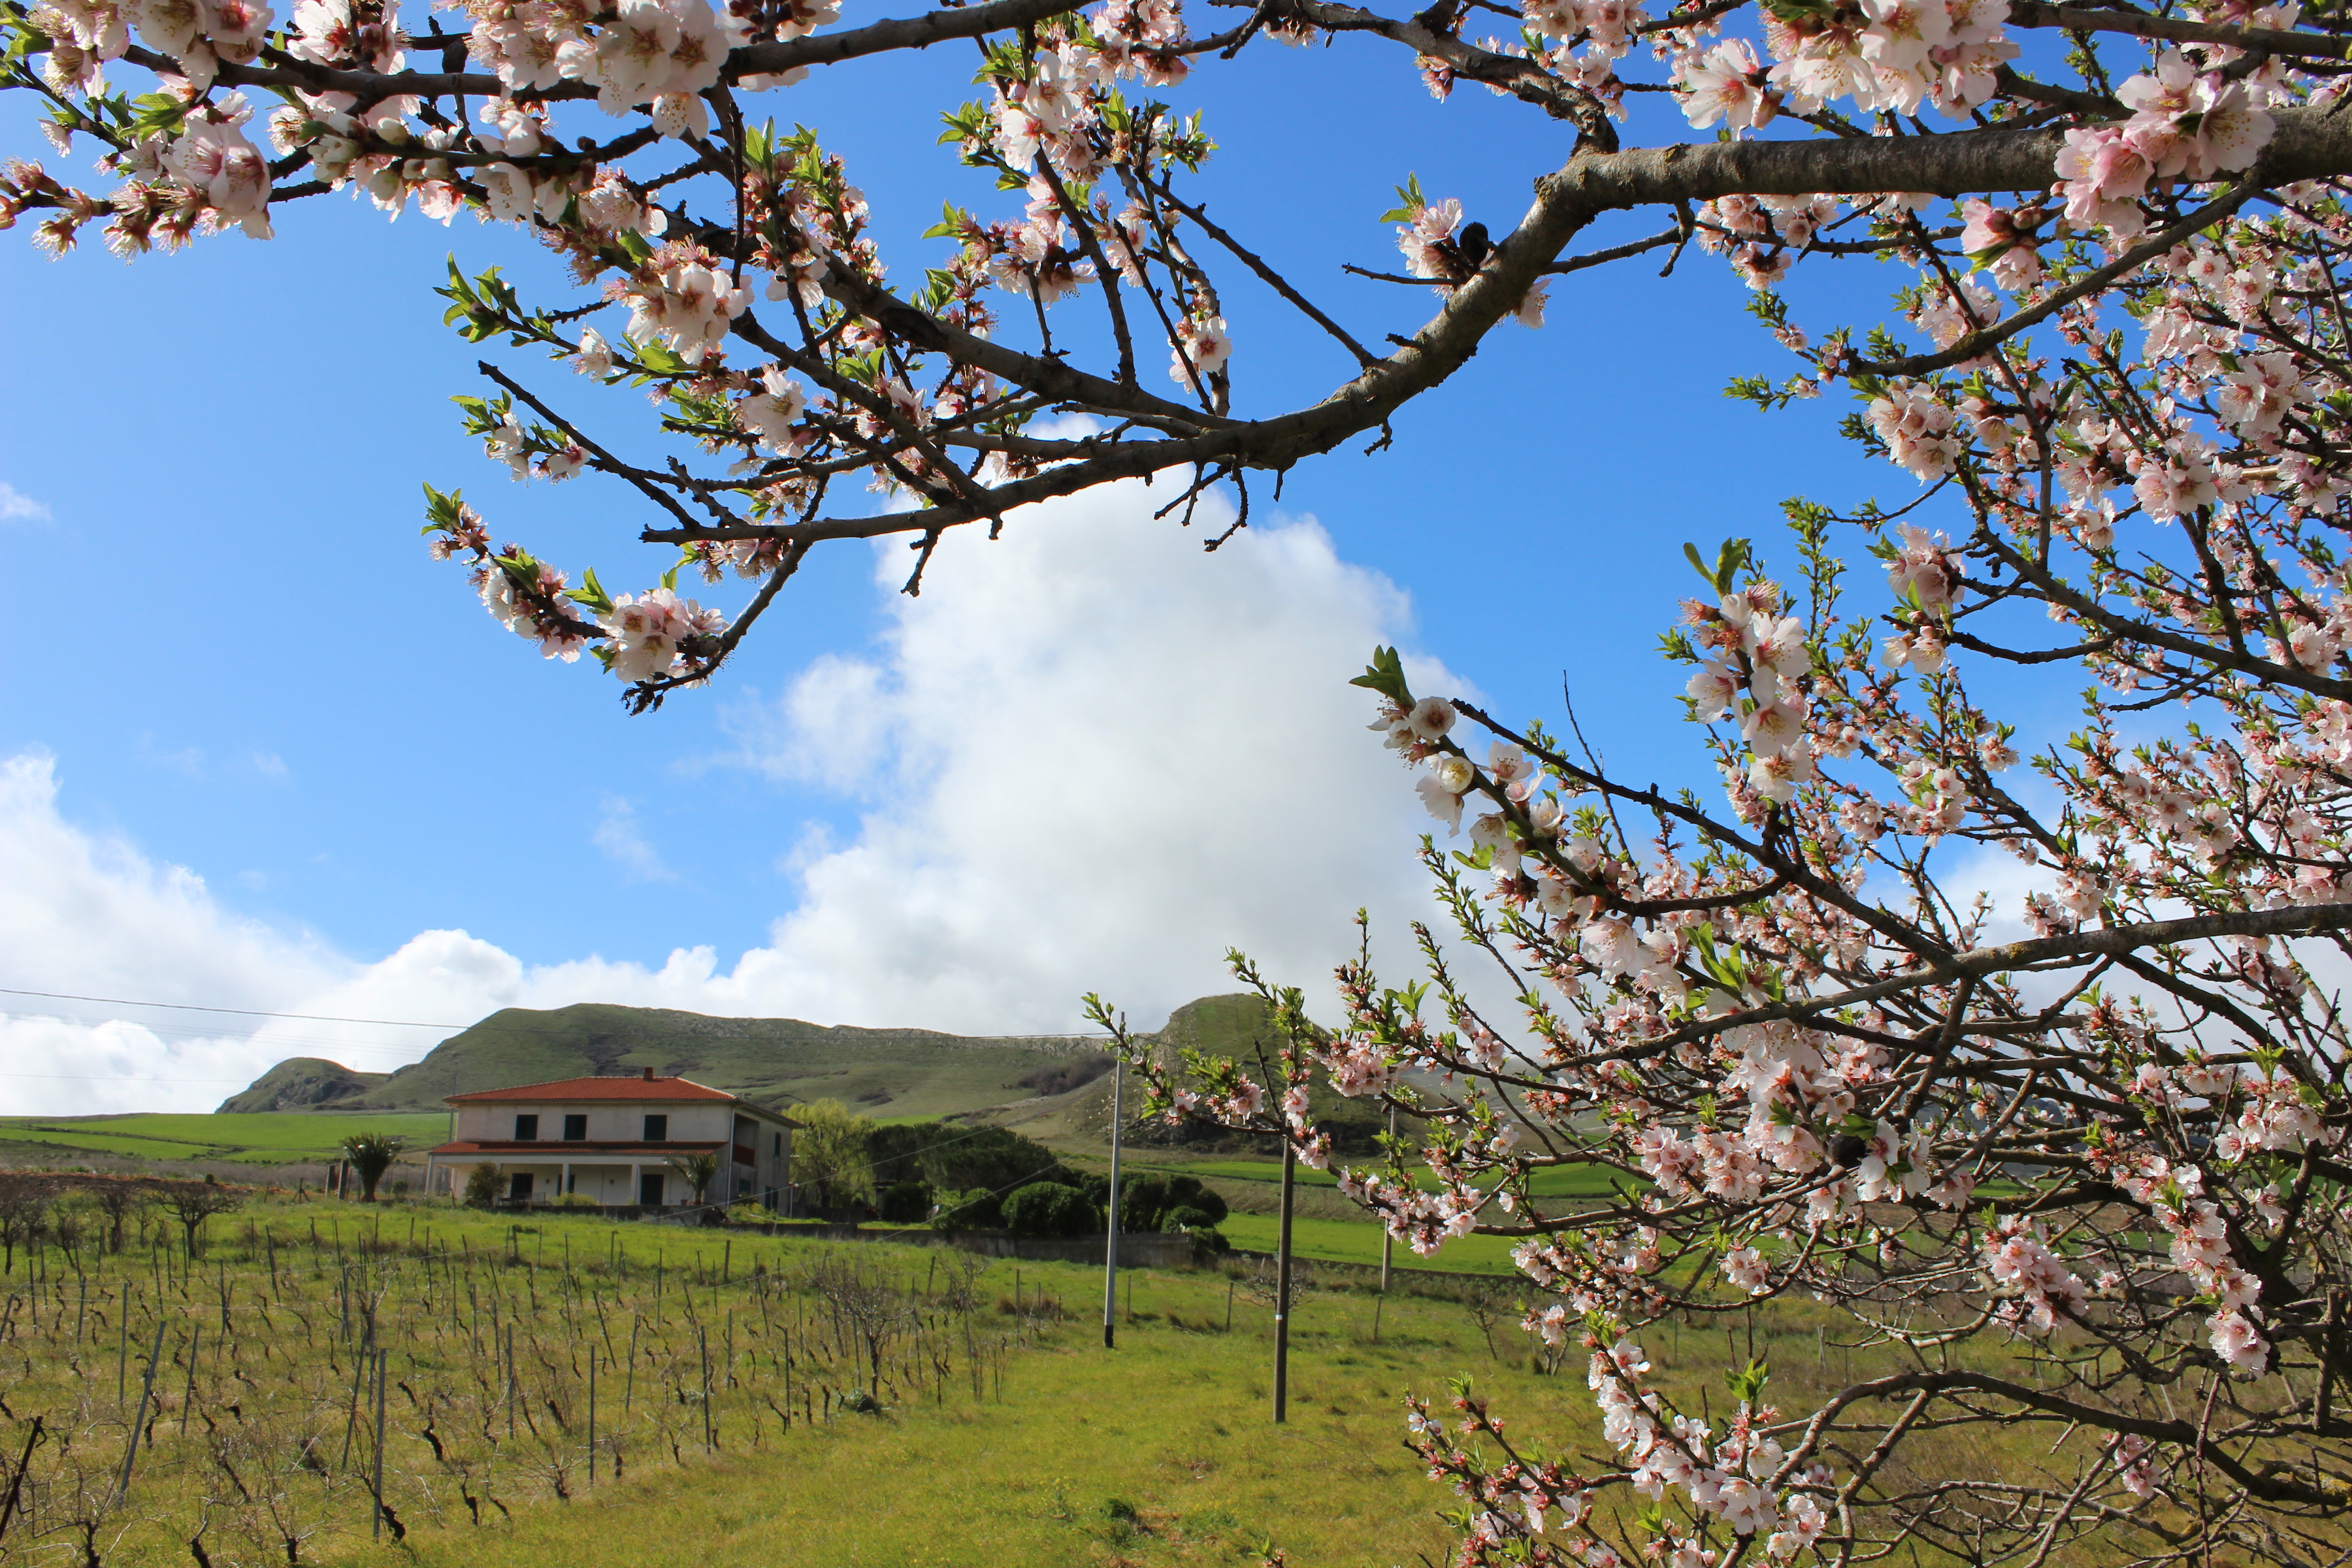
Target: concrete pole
{"x":1110,"y":1244}
{"x":1388,"y":1239}
{"x":1282,"y":1288}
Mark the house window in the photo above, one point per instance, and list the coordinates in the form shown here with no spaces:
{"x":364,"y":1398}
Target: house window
{"x":575,"y":1129}
{"x":649,"y":1190}
{"x":657,"y":1129}
{"x":780,"y":1145}
{"x":519,"y":1185}
{"x":525,"y":1129}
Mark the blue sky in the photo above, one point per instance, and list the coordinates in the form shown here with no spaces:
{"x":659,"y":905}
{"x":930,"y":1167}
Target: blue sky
{"x":237,"y":658}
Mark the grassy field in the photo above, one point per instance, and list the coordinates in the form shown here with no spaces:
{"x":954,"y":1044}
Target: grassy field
{"x":1357,"y":1241}
{"x":1004,"y":1432}
{"x":261,"y":1138}
{"x":1571,"y":1182}
{"x":582,"y":1393}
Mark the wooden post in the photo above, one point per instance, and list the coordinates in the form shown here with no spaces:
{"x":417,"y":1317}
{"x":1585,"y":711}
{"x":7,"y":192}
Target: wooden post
{"x":702,"y":1341}
{"x":195,"y":1344}
{"x":16,"y":1482}
{"x":383,"y":1370}
{"x":591,"y":1416}
{"x":352,"y":1419}
{"x":1110,"y":1242}
{"x":1282,"y":1287}
{"x":146,"y":1389}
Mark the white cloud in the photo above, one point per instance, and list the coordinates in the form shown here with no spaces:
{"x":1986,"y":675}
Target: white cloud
{"x":1092,"y":757}
{"x":616,"y":835}
{"x":1089,"y":757}
{"x":16,"y":506}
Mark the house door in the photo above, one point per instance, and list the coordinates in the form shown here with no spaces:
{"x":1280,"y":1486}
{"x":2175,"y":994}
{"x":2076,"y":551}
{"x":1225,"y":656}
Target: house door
{"x":649,"y":1190}
{"x":519,"y":1185}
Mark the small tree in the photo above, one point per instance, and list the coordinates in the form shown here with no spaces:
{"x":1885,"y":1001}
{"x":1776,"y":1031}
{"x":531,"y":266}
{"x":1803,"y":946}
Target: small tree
{"x":372,"y":1154}
{"x":696,"y":1171}
{"x":117,"y":1201}
{"x":192,"y":1205}
{"x":829,"y":1151}
{"x":23,"y":1218}
{"x":481,"y":1187}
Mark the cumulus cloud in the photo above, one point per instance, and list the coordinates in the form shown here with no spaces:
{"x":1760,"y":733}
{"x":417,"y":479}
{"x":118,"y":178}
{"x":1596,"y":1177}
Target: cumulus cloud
{"x":16,"y":506}
{"x":1089,"y":757}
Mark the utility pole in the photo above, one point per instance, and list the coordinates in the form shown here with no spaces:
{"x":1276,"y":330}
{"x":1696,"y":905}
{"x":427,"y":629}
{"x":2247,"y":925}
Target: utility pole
{"x":1388,"y":1238}
{"x":1111,"y":1243}
{"x":1282,"y":1288}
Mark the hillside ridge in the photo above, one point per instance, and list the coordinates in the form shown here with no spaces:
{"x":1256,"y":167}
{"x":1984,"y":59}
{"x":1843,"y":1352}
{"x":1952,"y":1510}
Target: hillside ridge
{"x":895,"y":1072}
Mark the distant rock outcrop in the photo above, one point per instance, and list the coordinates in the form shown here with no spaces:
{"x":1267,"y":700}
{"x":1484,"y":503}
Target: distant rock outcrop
{"x":306,"y":1083}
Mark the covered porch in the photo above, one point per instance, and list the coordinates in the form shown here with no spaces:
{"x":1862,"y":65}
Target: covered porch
{"x":638,"y":1176}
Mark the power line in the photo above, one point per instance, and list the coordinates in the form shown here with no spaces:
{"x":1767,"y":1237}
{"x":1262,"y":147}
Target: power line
{"x":101,"y":1077}
{"x":241,"y":1011}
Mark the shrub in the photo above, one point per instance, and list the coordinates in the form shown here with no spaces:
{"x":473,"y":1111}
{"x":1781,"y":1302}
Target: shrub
{"x":1141,"y":1202}
{"x":977,"y":1209}
{"x":905,"y":1203}
{"x":481,"y":1187}
{"x":1189,"y":1192}
{"x":952,"y":1158}
{"x":1147,"y":1203}
{"x":1049,"y":1208}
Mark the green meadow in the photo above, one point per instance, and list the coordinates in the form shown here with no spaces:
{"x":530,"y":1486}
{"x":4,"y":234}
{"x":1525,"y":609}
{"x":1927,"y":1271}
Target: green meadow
{"x":279,"y":1137}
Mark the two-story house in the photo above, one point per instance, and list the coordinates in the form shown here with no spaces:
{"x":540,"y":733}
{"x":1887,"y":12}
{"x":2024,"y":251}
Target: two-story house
{"x":612,"y":1138}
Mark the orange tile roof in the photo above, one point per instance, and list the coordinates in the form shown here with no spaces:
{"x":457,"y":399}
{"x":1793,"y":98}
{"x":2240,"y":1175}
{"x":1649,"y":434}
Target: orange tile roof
{"x":547,"y":1150}
{"x":588,"y":1088}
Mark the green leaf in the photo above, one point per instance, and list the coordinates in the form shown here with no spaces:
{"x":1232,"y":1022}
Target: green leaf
{"x":1410,"y":201}
{"x":952,"y":222}
{"x":1385,"y":675}
{"x":591,"y":594}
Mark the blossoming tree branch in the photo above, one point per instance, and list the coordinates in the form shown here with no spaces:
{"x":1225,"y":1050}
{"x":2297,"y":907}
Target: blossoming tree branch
{"x":2077,"y":1182}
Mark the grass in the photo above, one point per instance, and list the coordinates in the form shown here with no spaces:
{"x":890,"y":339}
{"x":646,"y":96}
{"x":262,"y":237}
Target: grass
{"x":1008,"y":1419}
{"x":262,"y":1137}
{"x":1350,"y":1241}
{"x":1565,"y":1182}
{"x":1005,"y":1432}
{"x":1160,"y":1452}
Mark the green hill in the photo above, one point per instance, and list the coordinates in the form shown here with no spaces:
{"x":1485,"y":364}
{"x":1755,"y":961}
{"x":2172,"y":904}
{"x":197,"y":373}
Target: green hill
{"x":774,"y":1061}
{"x":1051,"y":1086}
{"x":304,"y":1083}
